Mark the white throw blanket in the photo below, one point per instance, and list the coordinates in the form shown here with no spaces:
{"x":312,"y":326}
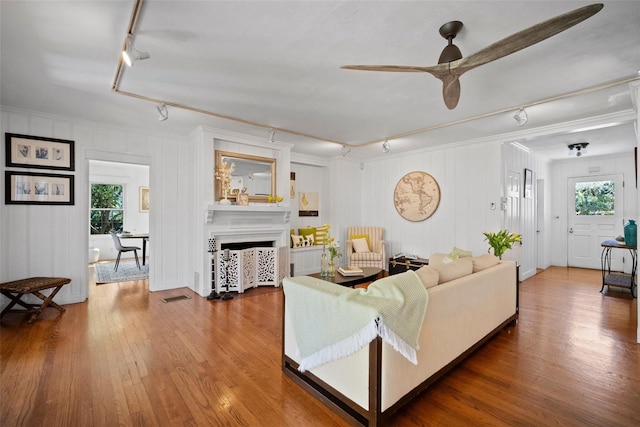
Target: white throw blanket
{"x":331,"y":321}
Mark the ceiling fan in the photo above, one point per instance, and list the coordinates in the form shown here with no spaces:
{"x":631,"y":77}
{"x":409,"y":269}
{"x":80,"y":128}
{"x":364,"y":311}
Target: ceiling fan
{"x":451,"y":64}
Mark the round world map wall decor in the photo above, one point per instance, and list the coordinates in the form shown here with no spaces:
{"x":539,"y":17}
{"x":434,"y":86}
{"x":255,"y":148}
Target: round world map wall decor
{"x":417,"y":196}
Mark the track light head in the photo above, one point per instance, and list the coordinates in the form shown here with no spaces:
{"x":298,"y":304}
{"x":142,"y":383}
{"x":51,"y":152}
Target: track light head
{"x":162,"y":112}
{"x":386,"y":147}
{"x":272,"y":134}
{"x":130,"y":54}
{"x":521,"y":117}
{"x":345,"y":150}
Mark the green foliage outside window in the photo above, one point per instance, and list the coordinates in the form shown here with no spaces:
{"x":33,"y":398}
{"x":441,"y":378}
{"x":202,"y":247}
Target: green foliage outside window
{"x":595,"y":198}
{"x":107,"y":209}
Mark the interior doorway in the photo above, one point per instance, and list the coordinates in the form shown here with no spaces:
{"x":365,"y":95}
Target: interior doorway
{"x":125,"y":210}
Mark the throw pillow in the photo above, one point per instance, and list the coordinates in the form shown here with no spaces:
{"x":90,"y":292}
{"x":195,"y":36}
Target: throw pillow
{"x":483,"y":262}
{"x":296,"y":241}
{"x":454,"y":270}
{"x":428,"y":276}
{"x":308,"y":240}
{"x":307,"y":231}
{"x":461,"y":253}
{"x":360,"y":245}
{"x":361,"y":236}
{"x":321,"y":235}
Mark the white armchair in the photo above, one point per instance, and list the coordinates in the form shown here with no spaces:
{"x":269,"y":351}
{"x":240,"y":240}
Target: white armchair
{"x":375,"y":256}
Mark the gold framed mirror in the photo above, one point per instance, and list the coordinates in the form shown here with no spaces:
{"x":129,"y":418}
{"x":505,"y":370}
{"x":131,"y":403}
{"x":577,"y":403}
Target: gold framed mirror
{"x":254,"y":173}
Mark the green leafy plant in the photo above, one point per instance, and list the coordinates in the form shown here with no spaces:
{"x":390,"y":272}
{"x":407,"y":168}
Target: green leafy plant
{"x":501,"y":241}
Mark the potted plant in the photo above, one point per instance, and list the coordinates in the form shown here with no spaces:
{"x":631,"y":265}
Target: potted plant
{"x":501,"y":241}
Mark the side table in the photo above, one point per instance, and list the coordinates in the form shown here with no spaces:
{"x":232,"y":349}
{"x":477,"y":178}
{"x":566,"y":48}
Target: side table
{"x":402,"y":264}
{"x":618,"y":279}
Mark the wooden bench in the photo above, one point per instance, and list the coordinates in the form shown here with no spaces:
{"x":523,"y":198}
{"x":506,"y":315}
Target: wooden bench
{"x":33,"y":285}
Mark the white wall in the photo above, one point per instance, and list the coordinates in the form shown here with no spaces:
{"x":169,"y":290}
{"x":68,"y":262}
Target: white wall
{"x":561,"y":171}
{"x":53,"y":240}
{"x":469,"y":177}
{"x":131,"y":177}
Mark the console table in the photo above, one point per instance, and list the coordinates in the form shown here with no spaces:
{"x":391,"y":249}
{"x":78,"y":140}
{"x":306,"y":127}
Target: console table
{"x":618,"y":279}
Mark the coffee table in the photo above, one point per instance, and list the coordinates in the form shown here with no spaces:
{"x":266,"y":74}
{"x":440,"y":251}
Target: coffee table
{"x":370,"y":274}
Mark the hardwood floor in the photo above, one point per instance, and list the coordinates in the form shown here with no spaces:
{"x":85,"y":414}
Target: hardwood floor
{"x":125,"y":357}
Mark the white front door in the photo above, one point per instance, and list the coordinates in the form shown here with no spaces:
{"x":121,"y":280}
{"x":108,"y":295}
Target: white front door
{"x":595,"y":207}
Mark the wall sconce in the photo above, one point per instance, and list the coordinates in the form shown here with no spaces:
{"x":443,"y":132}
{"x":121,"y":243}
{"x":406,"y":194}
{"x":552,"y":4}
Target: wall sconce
{"x":385,"y":146}
{"x":521,"y":117}
{"x":272,"y":134}
{"x":578,"y":149}
{"x":345,"y":150}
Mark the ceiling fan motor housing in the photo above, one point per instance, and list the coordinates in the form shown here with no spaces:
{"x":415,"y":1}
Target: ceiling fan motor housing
{"x":451,"y":52}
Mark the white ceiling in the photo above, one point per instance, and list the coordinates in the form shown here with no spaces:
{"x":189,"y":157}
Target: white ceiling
{"x":277,"y":64}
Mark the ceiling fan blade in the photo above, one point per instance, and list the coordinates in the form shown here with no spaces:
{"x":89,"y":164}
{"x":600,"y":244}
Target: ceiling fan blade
{"x":525,"y":38}
{"x":392,"y":68}
{"x":451,"y":91}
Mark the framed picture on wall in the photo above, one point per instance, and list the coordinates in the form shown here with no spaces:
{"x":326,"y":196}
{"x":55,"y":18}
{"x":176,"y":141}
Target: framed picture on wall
{"x":144,"y":199}
{"x":26,"y":151}
{"x":28,"y":188}
{"x":528,"y":184}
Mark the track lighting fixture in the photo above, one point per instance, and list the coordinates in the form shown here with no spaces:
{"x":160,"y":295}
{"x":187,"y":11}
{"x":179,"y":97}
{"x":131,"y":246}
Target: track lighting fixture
{"x":521,"y":117}
{"x":130,"y":54}
{"x":162,"y":112}
{"x":578,"y":149}
{"x":272,"y":133}
{"x":385,"y":146}
{"x":345,"y":150}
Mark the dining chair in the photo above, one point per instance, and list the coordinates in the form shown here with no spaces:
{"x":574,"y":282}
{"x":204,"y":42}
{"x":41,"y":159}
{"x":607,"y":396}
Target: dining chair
{"x":121,"y":249}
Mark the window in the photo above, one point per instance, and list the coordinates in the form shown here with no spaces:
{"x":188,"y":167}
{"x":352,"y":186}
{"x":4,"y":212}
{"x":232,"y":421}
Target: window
{"x":595,"y":198}
{"x":107,"y":213}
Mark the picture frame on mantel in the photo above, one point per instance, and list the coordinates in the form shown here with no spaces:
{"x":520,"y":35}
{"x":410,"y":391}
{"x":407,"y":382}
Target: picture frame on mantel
{"x":29,"y":188}
{"x":27,"y":151}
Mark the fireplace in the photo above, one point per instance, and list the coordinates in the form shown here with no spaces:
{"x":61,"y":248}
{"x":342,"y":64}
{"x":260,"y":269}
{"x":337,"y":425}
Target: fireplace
{"x":248,"y":251}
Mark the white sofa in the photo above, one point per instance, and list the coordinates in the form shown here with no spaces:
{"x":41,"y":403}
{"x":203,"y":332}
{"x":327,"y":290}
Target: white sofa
{"x":371,"y":384}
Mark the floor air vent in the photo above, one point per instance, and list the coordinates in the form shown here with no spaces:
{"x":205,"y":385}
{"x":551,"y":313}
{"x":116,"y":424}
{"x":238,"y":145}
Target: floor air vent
{"x":176,"y":298}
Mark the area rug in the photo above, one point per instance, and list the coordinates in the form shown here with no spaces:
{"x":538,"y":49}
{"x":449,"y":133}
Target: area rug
{"x":127,"y":271}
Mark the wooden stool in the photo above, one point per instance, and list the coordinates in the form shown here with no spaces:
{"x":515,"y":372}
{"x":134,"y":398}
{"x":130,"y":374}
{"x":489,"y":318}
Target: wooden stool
{"x":32,"y":285}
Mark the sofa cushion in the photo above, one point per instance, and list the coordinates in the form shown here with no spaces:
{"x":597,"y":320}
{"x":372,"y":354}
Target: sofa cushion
{"x":437,"y":258}
{"x":484,"y":261}
{"x":428,"y":276}
{"x":360,"y":245}
{"x":454,"y":270}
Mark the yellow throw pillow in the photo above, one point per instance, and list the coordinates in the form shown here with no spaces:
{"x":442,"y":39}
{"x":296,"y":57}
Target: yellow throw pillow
{"x":321,"y":235}
{"x":307,"y":231}
{"x":361,"y":236}
{"x":461,"y":253}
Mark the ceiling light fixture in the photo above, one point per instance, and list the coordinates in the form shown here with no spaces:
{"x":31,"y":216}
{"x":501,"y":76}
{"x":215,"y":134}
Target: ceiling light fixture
{"x":162,"y":112}
{"x":580,"y":148}
{"x":345,"y":150}
{"x":272,"y":133}
{"x":385,"y":146}
{"x":521,"y":117}
{"x":130,"y":54}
